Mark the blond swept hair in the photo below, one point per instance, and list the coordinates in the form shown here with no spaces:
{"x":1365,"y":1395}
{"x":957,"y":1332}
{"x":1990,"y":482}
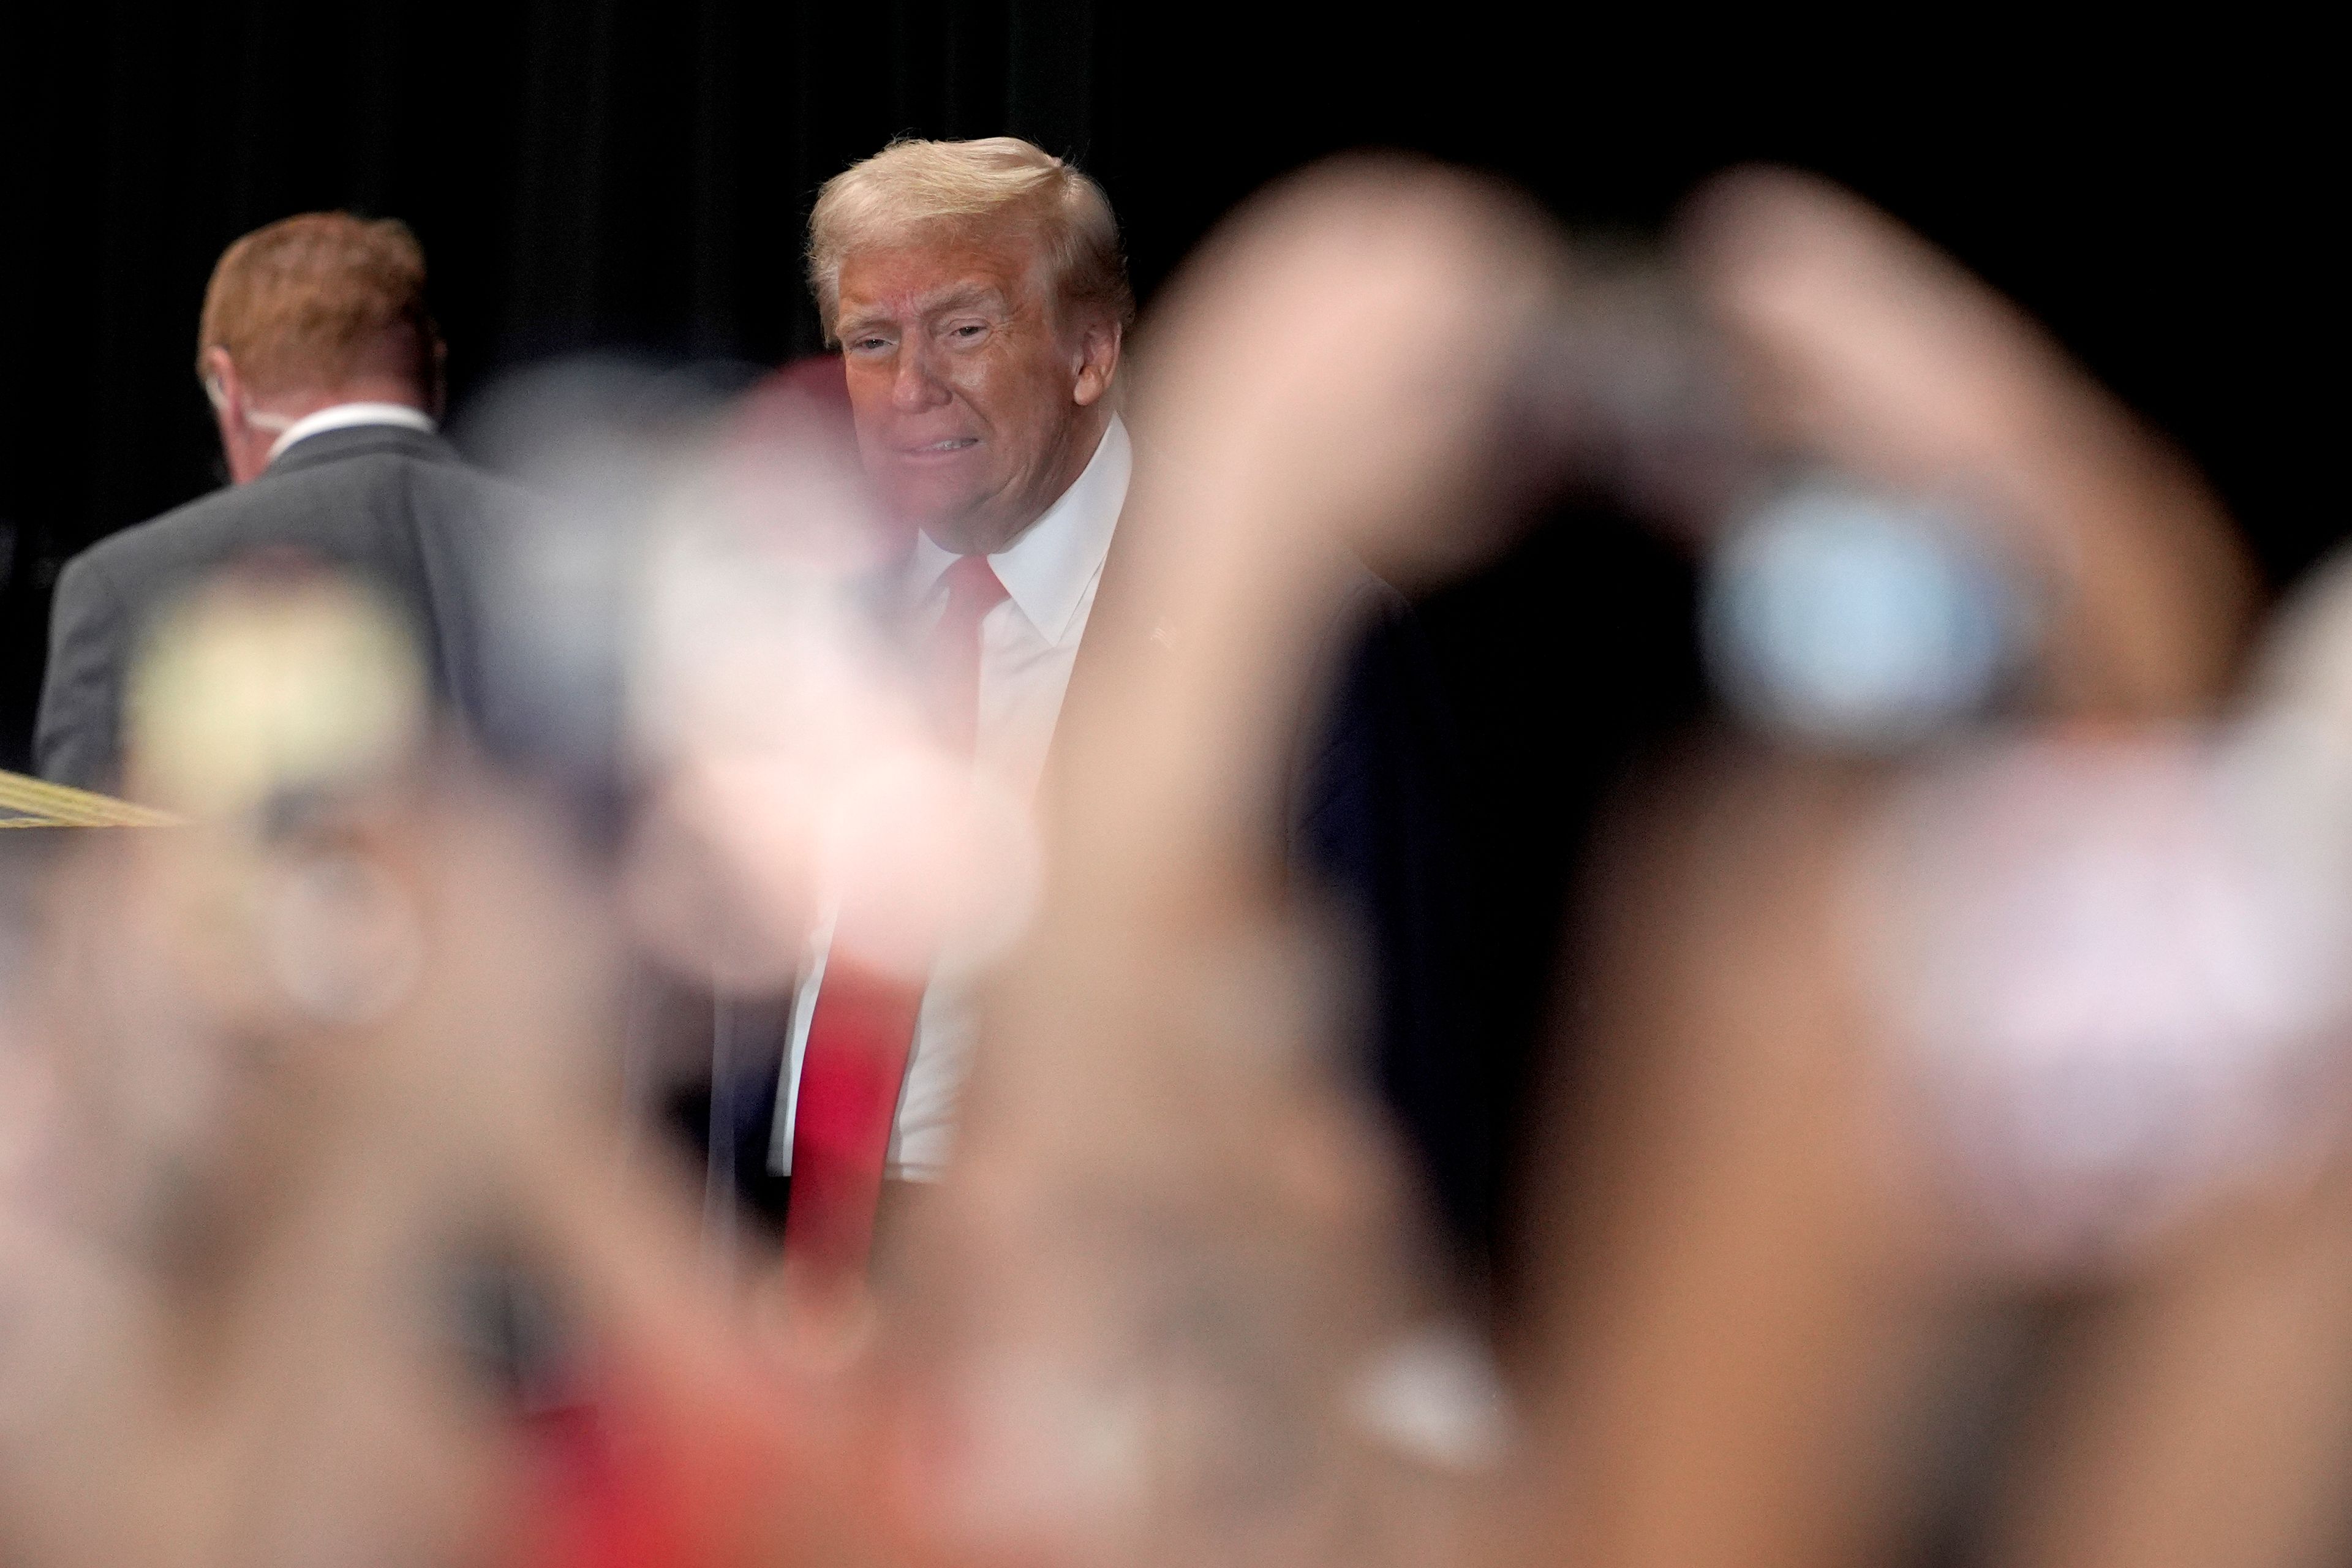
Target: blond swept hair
{"x":914,"y":190}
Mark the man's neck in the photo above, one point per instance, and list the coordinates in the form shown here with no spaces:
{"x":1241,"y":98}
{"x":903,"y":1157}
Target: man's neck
{"x":255,"y":429}
{"x":345,"y":416}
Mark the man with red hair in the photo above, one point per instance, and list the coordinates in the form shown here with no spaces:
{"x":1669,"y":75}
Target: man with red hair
{"x":324,"y":372}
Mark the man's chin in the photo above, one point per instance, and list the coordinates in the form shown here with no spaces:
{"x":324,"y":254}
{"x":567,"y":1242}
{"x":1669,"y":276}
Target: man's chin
{"x":949,"y":525}
{"x":957,"y":521}
{"x":961,"y":534}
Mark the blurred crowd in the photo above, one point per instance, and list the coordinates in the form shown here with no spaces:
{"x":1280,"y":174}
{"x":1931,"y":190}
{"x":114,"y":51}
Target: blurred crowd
{"x":868,"y":966}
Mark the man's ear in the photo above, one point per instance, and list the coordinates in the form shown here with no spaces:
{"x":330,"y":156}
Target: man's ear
{"x":1098,"y":348}
{"x":244,"y":436}
{"x":222,"y":385}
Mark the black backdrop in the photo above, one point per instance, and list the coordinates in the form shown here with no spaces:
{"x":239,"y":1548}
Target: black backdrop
{"x":627,"y":172}
{"x":596,"y":171}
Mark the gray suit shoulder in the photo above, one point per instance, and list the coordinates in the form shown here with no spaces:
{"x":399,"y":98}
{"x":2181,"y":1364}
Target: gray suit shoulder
{"x":296,"y":507}
{"x":76,"y":727}
{"x":128,"y":554}
{"x":398,"y":509}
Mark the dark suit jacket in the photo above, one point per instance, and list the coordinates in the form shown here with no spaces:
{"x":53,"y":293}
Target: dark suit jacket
{"x":1369,"y":827}
{"x":1374,"y":830}
{"x":392,"y":506}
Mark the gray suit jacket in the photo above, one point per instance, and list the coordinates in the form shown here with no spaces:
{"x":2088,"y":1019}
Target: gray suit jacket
{"x":394,"y":506}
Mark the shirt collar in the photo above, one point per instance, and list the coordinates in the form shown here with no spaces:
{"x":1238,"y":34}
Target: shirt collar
{"x":1048,"y":568}
{"x":343,"y":416}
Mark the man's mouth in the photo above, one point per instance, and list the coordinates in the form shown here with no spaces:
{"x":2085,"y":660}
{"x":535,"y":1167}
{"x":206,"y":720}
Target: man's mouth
{"x":942,"y":448}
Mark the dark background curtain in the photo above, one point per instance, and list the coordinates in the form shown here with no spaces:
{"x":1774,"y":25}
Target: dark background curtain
{"x":594,"y":172}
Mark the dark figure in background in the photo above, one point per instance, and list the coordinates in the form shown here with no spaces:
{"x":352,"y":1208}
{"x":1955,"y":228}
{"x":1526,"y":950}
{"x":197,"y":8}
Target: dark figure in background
{"x":324,"y":370}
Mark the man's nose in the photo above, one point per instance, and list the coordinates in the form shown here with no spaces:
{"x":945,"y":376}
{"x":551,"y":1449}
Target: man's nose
{"x":913,"y":384}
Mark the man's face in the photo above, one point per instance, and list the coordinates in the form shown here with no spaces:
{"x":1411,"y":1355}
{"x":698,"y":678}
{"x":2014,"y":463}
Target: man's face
{"x":973,"y":412}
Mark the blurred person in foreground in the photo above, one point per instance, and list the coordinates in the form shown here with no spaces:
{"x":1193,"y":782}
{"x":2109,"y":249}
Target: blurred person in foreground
{"x":323,"y":367}
{"x":980,"y":302}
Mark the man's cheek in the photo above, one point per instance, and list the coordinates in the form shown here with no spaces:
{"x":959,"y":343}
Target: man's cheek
{"x":869,"y":387}
{"x":972,"y":382}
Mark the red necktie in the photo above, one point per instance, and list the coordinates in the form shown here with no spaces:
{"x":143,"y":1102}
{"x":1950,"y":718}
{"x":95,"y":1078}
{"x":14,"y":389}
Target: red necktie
{"x":864,"y":1022}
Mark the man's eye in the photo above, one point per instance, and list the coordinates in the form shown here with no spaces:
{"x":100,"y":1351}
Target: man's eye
{"x":868,"y":346}
{"x":967,"y":332}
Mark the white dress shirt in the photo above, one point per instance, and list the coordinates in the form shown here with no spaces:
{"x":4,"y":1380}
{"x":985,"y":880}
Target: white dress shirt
{"x":343,"y":415}
{"x":1028,"y":645}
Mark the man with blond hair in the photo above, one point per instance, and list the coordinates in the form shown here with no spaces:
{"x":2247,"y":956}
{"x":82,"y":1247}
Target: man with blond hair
{"x":324,"y":372}
{"x":979,"y":301}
